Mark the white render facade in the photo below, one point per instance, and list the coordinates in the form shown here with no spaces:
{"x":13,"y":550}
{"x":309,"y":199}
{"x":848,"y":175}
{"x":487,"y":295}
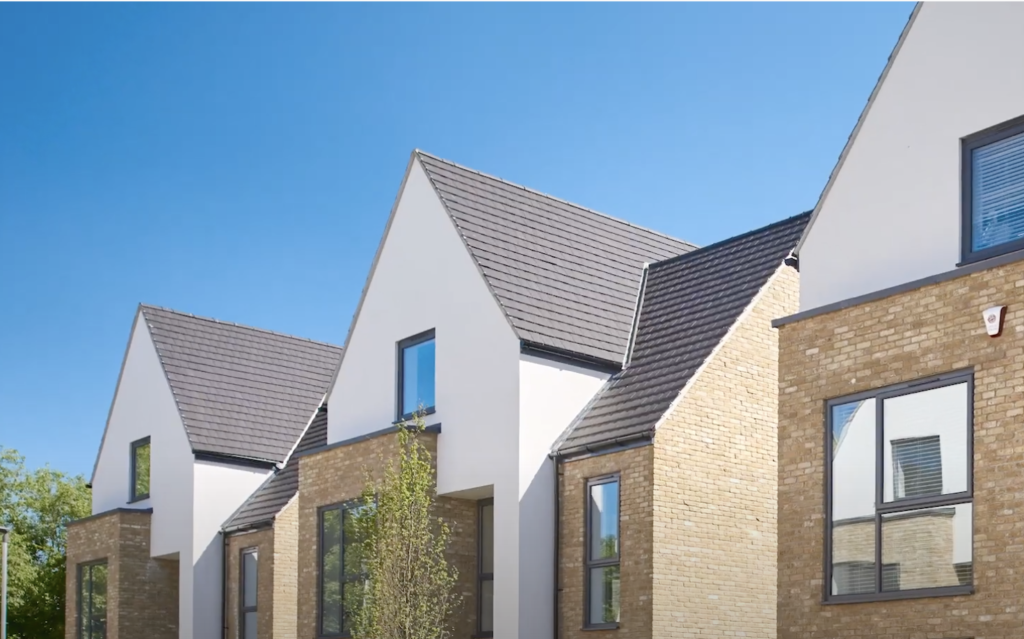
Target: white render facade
{"x":500,"y":410}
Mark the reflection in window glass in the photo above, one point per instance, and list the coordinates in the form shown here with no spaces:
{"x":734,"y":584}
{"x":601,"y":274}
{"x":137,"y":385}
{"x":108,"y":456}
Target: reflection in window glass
{"x":604,"y":520}
{"x":928,"y":545}
{"x":140,"y":469}
{"x":417,"y":377}
{"x":926,"y":443}
{"x":485,"y":572}
{"x":92,"y":601}
{"x":330,"y":572}
{"x":604,"y":595}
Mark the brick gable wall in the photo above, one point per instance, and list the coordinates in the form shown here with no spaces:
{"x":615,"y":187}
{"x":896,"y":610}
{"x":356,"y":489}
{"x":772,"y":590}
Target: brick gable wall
{"x":931,"y":330}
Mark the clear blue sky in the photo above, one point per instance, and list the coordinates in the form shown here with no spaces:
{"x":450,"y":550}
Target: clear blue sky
{"x":239,"y":160}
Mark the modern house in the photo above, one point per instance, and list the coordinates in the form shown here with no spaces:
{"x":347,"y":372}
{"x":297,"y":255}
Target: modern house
{"x":901,"y":479}
{"x":203,"y":414}
{"x":600,"y":403}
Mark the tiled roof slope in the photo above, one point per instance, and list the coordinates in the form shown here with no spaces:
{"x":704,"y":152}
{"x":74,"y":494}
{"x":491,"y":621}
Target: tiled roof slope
{"x":241,"y":391}
{"x":270,"y":498}
{"x":565,"y":276}
{"x":689,"y":305}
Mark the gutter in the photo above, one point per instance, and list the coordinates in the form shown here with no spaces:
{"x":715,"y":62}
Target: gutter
{"x":607,"y":445}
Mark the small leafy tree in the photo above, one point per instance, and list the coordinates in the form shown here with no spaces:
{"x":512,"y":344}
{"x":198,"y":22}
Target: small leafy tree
{"x":409,"y":586}
{"x":37,"y":505}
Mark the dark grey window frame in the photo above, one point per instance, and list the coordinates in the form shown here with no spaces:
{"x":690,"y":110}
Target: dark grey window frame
{"x":967,"y":146}
{"x":242,"y":608}
{"x":481,"y":576}
{"x":137,"y":444}
{"x":341,"y":507}
{"x":415,"y":340}
{"x":897,"y":505}
{"x":588,"y":562}
{"x":79,"y":629}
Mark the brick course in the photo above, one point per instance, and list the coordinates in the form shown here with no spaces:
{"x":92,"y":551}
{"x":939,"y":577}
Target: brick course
{"x":931,"y":330}
{"x":338,"y":475}
{"x":142,"y":593}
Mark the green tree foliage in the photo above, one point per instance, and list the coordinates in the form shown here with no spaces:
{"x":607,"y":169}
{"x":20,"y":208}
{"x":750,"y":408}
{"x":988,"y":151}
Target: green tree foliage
{"x":407,"y":587}
{"x":37,"y":505}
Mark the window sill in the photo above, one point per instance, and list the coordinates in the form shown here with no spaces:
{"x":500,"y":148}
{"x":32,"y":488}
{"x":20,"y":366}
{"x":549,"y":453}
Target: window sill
{"x":1004,"y":255}
{"x":408,"y":416}
{"x":600,"y":626}
{"x":920,"y":593}
{"x":482,"y":635}
{"x":135,"y":500}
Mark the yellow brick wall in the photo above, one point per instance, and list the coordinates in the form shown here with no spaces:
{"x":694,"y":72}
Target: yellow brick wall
{"x":142,"y":593}
{"x":635,"y":467}
{"x":934,"y":329}
{"x":714,"y":492}
{"x":338,"y":475}
{"x":286,"y":562}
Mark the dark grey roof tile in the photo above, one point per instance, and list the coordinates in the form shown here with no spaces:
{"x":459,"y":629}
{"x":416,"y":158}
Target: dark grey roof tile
{"x":689,"y":304}
{"x":565,"y":276}
{"x":241,"y":391}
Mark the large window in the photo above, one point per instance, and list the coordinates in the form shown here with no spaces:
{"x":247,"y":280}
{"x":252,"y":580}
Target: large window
{"x":140,"y":470}
{"x":993,"y":191}
{"x":342,"y":576}
{"x":899,"y":512}
{"x":92,"y":600}
{"x":485,"y":569}
{"x":416,"y":375}
{"x":602,"y":553}
{"x":249,"y":580}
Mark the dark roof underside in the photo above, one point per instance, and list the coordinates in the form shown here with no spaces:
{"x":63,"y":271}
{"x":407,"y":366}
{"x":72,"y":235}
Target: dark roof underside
{"x":565,"y":276}
{"x":241,"y":391}
{"x":270,"y":498}
{"x":689,"y":305}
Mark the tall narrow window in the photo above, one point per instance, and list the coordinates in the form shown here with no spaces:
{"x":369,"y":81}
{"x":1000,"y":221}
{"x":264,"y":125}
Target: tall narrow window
{"x":140,"y":469}
{"x":899,"y":500}
{"x":602,"y":553}
{"x":416,"y":375}
{"x":250,"y":579}
{"x":485,"y":569}
{"x":993,"y":191}
{"x":342,"y":575}
{"x":92,"y":601}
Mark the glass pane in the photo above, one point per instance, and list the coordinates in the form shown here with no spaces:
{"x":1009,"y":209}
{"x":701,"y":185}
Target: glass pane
{"x":926,"y":443}
{"x":330,"y":572}
{"x":352,"y":555}
{"x":604,"y":520}
{"x":141,"y":470}
{"x":249,"y":625}
{"x":353,"y":593}
{"x":997,"y":193}
{"x":418,"y":380}
{"x":98,"y":602}
{"x":487,"y":606}
{"x":853,"y":497}
{"x":487,"y":538}
{"x":604,"y":595}
{"x":928,"y":548}
{"x":249,"y":567}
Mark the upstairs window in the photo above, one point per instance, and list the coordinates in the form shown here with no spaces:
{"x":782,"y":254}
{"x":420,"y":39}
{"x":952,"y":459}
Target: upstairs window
{"x":140,"y":470}
{"x":993,"y":191}
{"x":899,"y":520}
{"x":602,"y":553}
{"x":416,"y":375}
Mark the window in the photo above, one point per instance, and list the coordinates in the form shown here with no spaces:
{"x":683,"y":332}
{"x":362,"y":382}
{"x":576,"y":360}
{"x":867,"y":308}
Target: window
{"x":140,"y":470}
{"x":899,"y":511}
{"x":602,"y":553}
{"x":249,"y":580}
{"x":92,"y":601}
{"x":993,"y":191}
{"x":485,"y":569}
{"x":416,"y":375}
{"x":342,"y":576}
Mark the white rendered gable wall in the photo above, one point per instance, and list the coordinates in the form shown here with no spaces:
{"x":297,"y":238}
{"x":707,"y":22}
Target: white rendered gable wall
{"x":893,"y":212}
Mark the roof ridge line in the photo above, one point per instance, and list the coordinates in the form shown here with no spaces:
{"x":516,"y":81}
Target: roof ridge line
{"x":553,"y":197}
{"x":237,"y":325}
{"x":728,"y":240}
